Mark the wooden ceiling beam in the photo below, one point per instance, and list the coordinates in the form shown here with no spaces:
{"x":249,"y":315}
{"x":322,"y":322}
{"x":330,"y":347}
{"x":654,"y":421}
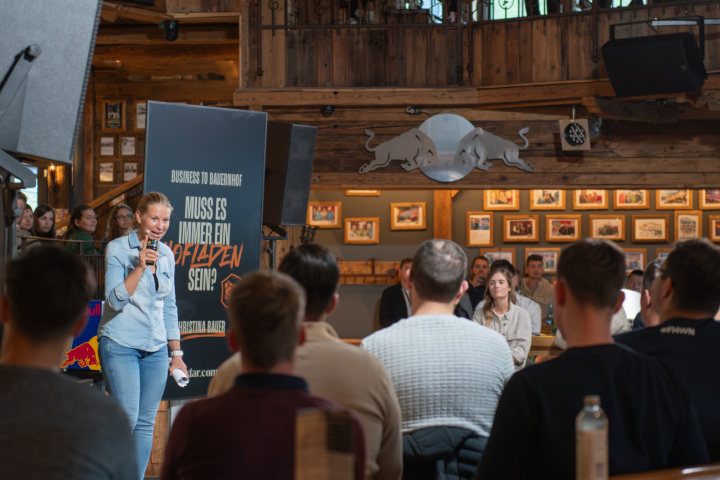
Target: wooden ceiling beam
{"x":209,"y":34}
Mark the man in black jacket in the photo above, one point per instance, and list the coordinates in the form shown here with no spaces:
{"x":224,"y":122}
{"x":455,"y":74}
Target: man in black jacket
{"x":395,"y":301}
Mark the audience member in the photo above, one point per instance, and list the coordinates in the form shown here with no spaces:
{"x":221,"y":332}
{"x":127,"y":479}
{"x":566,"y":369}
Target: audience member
{"x":535,"y":287}
{"x":635,"y":281}
{"x":476,"y":280}
{"x":686,"y":296}
{"x":81,"y":227}
{"x":20,"y":205}
{"x":249,"y":431}
{"x":653,"y":423}
{"x":44,"y":226}
{"x":395,"y":301}
{"x":118,"y":224}
{"x":530,"y":306}
{"x":335,"y":370}
{"x":501,"y":313}
{"x":52,"y":427}
{"x":26,"y":221}
{"x":648,"y":317}
{"x":448,"y":373}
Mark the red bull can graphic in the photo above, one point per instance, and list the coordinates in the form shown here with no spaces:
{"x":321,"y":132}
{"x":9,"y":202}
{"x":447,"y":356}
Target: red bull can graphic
{"x":83,"y":353}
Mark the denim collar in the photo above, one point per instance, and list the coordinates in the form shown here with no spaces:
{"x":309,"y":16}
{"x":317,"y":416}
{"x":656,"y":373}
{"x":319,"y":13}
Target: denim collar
{"x":271,"y":381}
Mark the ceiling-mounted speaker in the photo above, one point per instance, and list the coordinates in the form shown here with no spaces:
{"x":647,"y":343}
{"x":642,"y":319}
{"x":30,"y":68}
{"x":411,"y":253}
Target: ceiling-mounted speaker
{"x":657,"y":65}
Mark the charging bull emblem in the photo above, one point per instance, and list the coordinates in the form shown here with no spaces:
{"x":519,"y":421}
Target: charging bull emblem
{"x":85,"y":355}
{"x":413,"y":147}
{"x":479,"y":146}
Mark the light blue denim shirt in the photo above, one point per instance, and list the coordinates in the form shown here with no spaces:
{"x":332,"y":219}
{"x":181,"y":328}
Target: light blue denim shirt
{"x":147,"y":319}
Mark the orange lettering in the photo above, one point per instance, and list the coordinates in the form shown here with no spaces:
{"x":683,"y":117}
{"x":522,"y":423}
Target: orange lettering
{"x":186,"y":252}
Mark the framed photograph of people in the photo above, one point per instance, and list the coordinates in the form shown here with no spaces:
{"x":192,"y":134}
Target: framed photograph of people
{"x":128,"y":146}
{"x":106,"y":146}
{"x":635,"y":259}
{"x":521,"y":228}
{"x":662,"y":253}
{"x":502,"y":199}
{"x":408,"y":216}
{"x":631,"y":199}
{"x":130,"y":170}
{"x":590,"y":200}
{"x":113,"y":115}
{"x":362,"y":193}
{"x":106,"y":172}
{"x":609,"y":227}
{"x":562,"y":228}
{"x":551,"y":256}
{"x":688,"y":225}
{"x":140,"y":114}
{"x":493,"y":254}
{"x":547,"y":199}
{"x":673,"y":200}
{"x":479,"y":229}
{"x":324,"y":214}
{"x":714,"y":228}
{"x":362,"y":230}
{"x":650,"y":228}
{"x":709,"y":199}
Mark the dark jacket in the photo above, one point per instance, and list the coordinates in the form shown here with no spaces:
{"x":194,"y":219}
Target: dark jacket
{"x":443,"y":453}
{"x":392,"y":306}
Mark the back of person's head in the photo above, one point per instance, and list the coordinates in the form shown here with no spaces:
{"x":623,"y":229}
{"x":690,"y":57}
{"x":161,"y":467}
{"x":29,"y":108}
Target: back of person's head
{"x":652,"y":272}
{"x":48,"y":290}
{"x":112,"y":229}
{"x":508,"y":272}
{"x":594,"y":272}
{"x":316,"y":269}
{"x":76,"y":214}
{"x":533,"y":258}
{"x":266,"y":311}
{"x":694,"y":268}
{"x":148,"y":200}
{"x":438,"y":270}
{"x":40,"y":211}
{"x":504,"y":264}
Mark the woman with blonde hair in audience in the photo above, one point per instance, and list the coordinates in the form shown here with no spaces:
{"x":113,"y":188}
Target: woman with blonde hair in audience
{"x":118,"y":224}
{"x":500,"y":313}
{"x":81,"y":227}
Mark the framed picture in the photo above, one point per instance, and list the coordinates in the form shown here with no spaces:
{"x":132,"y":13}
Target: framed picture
{"x":362,"y":230}
{"x":714,"y":228}
{"x":662,"y":253}
{"x":113,"y":115}
{"x":547,"y":199}
{"x":551,"y":256}
{"x":673,"y":200}
{"x":493,"y":254}
{"x":635,"y":259}
{"x":106,"y":172}
{"x":631,"y":199}
{"x":106,"y":146}
{"x":590,"y":200}
{"x":688,"y":224}
{"x":140,"y":114}
{"x":362,"y":193}
{"x":408,"y":216}
{"x":521,"y":228}
{"x":324,"y":214}
{"x":650,"y":228}
{"x":502,"y":199}
{"x":609,"y":227}
{"x":709,"y":199}
{"x":563,"y":228}
{"x":479,"y":229}
{"x":130,"y":170}
{"x":128,"y":146}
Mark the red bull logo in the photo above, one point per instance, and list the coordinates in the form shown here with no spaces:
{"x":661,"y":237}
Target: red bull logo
{"x":84,"y":355}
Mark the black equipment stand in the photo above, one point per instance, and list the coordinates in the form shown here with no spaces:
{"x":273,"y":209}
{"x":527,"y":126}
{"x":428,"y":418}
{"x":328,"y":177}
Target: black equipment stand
{"x":272,"y":240}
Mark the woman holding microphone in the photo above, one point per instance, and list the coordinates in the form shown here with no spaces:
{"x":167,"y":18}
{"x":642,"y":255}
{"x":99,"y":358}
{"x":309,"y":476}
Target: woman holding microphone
{"x":140,"y":320}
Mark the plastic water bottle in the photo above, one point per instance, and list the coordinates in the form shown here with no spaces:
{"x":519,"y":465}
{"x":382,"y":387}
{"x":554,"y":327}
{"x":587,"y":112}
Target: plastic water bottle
{"x":591,"y":441}
{"x":550,"y":320}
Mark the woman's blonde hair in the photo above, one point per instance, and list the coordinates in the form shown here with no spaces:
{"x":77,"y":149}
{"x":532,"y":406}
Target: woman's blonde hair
{"x":489,"y":300}
{"x":152,"y":198}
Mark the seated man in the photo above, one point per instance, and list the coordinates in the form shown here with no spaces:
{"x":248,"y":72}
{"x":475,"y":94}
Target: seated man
{"x":647,"y":317}
{"x":448,"y":373}
{"x":653,"y":424}
{"x":634,"y":281}
{"x":395,"y":301}
{"x":335,"y":370}
{"x":535,"y":287}
{"x":523,"y":302}
{"x":249,"y":431}
{"x":476,"y":280}
{"x":53,"y":427}
{"x":686,"y":296}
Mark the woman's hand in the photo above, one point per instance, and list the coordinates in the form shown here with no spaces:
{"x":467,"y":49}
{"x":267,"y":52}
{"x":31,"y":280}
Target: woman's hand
{"x":177,"y":362}
{"x":146,"y":255}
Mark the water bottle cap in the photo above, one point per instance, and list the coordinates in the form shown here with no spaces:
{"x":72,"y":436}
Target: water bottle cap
{"x":591,"y":400}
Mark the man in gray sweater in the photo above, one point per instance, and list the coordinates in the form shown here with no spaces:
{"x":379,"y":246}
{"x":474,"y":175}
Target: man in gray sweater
{"x":51,"y":427}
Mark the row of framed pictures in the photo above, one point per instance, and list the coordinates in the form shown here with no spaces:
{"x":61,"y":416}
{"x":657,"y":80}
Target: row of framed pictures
{"x":115,"y":116}
{"x":635,"y":258}
{"x":106,"y":171}
{"x":568,"y":228}
{"x":112,"y":146}
{"x":403,"y":216}
{"x":598,"y":199}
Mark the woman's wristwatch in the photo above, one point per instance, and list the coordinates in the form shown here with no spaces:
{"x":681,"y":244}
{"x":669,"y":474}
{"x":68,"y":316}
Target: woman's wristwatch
{"x":176,"y":353}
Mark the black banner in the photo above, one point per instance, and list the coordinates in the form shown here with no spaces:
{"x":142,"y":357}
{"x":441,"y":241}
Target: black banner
{"x":210,"y":163}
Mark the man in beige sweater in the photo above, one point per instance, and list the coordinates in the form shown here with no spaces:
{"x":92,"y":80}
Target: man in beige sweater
{"x":334,"y":369}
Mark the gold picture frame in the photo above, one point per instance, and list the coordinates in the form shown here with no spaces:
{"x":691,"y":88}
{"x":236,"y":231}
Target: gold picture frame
{"x":408,"y":216}
{"x":493,"y":254}
{"x":608,"y":227}
{"x":521,"y":228}
{"x":627,"y":199}
{"x":362,"y":230}
{"x":635,"y":259}
{"x":645,"y":228}
{"x":114,"y":115}
{"x":551,"y":257}
{"x":674,"y":199}
{"x":324,"y":214}
{"x":548,"y":199}
{"x":590,"y":199}
{"x":714,"y":228}
{"x":501,"y":199}
{"x":684,"y":220}
{"x":709,"y":199}
{"x":661,"y":253}
{"x":563,"y":228}
{"x":479,"y":229}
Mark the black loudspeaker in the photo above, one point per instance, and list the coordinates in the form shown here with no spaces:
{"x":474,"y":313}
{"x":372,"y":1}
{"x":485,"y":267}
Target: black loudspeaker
{"x":661,"y":64}
{"x":288,"y":171}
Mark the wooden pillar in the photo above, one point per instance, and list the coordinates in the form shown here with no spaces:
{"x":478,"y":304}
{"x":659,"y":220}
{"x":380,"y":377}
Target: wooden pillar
{"x":89,"y":143}
{"x":244,"y":47}
{"x":442,"y":217}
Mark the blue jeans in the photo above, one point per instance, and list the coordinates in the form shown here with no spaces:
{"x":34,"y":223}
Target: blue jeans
{"x":136,"y":379}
